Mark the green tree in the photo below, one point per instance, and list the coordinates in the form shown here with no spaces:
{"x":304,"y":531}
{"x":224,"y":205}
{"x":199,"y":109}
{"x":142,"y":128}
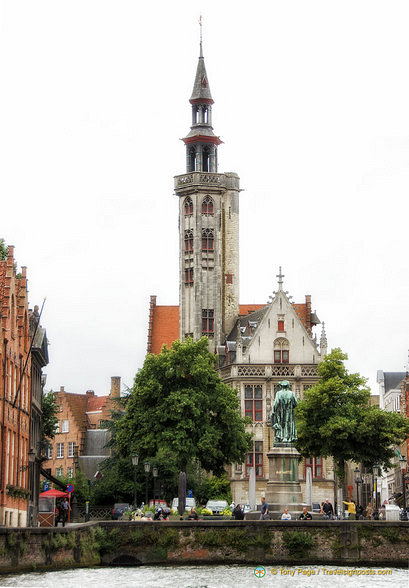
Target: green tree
{"x":179,"y":409}
{"x":3,"y":250}
{"x":335,"y":419}
{"x":49,"y":418}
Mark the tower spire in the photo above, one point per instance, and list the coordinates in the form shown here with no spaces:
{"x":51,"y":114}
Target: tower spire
{"x":201,"y":143}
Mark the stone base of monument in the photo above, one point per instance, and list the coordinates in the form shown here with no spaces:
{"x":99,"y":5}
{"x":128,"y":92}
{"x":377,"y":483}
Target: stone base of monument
{"x":283,"y":487}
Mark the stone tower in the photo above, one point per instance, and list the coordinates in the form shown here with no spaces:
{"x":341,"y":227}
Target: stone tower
{"x":208,"y":228}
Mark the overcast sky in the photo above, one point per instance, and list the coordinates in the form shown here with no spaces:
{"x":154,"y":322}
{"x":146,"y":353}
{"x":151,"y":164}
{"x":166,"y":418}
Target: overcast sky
{"x":312,"y":103}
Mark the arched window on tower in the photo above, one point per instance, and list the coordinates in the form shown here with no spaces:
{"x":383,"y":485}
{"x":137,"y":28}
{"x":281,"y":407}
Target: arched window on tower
{"x":207,"y":206}
{"x":188,"y":206}
{"x":206,"y":159}
{"x":192,"y":159}
{"x":189,"y":241}
{"x":207,"y":239}
{"x":205,"y":115}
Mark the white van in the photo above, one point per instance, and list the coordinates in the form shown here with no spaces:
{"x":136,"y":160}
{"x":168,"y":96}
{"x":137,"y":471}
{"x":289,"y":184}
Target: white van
{"x":190,"y":503}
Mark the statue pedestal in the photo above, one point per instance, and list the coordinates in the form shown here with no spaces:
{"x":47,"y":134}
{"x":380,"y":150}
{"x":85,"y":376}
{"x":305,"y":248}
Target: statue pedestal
{"x":283,"y":487}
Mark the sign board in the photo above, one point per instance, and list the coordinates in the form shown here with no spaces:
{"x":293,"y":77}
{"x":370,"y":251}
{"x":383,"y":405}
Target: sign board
{"x":70,"y":488}
{"x":46,"y":486}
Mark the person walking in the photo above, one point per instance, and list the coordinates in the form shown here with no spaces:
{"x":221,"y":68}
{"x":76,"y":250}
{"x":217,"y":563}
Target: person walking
{"x":265,"y":513}
{"x":65,"y":508}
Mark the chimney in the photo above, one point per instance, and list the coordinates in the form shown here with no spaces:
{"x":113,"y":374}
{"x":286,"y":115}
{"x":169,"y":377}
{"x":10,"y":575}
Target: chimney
{"x":61,"y":388}
{"x":115,"y":387}
{"x":90,"y":393}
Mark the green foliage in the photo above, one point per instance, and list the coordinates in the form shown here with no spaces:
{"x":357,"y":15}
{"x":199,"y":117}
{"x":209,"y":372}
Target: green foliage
{"x":80,"y":484}
{"x":214,"y":487}
{"x":297,"y":543}
{"x":180,"y":409}
{"x":4,"y":250}
{"x":49,"y":418}
{"x":335,"y":419}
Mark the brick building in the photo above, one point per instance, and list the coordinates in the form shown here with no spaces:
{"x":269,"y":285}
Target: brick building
{"x":257,"y":345}
{"x":78,"y":414}
{"x":15,"y":402}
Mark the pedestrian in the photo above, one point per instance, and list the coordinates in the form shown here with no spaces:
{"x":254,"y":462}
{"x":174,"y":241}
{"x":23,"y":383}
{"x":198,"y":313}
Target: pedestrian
{"x":327,"y":509}
{"x":265,"y":513}
{"x":286,"y":516}
{"x":238,"y":513}
{"x":65,"y":508}
{"x":305,"y":515}
{"x":351,"y":509}
{"x":193,"y":516}
{"x":369,"y":510}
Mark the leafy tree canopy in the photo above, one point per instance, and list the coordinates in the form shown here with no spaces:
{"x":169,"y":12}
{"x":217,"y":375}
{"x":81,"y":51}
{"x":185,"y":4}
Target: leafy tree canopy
{"x":335,"y":419}
{"x":49,"y":418}
{"x":3,"y":250}
{"x":180,"y":408}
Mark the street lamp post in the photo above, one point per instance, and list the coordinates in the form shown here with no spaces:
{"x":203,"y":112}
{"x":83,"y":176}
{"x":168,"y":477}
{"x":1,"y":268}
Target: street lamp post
{"x":147,"y":467}
{"x":135,"y":460}
{"x":375,"y":485}
{"x":155,"y":475}
{"x":357,"y":482}
{"x":403,"y":464}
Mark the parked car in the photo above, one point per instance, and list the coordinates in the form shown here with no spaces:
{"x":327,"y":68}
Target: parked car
{"x":246,"y":508}
{"x":190,"y":503}
{"x":216,"y":506}
{"x":119,"y":509}
{"x":316,"y":507}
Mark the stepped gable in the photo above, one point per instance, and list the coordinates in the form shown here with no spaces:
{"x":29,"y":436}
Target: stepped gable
{"x":78,"y":406}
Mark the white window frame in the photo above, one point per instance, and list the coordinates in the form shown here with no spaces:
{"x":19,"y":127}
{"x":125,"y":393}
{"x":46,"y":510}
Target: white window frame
{"x":71,"y":449}
{"x":60,"y":451}
{"x":65,"y":426}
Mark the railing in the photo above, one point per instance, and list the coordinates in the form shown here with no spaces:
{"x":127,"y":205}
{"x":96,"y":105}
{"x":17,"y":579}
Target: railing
{"x":96,"y":513}
{"x":269,"y":371}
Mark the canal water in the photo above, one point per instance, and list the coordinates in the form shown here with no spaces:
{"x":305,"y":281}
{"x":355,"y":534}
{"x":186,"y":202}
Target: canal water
{"x":213,"y":577}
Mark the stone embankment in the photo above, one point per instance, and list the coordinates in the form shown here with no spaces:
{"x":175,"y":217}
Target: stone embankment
{"x":212,"y":542}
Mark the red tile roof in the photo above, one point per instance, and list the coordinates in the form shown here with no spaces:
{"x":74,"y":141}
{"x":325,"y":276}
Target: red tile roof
{"x":164,"y":322}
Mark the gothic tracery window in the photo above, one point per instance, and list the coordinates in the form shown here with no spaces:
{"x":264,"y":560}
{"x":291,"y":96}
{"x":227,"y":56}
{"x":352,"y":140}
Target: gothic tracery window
{"x":189,"y":241}
{"x":207,"y":206}
{"x":281,"y":351}
{"x":207,"y":239}
{"x":188,"y":206}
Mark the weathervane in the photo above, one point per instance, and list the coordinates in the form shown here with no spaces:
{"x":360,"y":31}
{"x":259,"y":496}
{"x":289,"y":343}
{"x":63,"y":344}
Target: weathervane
{"x":200,"y":24}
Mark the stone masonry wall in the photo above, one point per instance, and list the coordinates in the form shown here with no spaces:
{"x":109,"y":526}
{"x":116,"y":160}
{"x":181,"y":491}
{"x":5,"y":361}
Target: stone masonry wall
{"x":211,"y":542}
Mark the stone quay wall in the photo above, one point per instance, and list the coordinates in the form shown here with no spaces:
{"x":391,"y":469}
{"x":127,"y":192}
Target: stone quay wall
{"x":354,"y":543}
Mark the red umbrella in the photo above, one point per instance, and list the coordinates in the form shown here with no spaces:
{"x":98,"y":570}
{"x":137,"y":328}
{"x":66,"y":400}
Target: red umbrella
{"x":52,"y":493}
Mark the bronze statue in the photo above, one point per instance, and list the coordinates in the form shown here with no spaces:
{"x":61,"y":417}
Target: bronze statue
{"x":282,"y":416}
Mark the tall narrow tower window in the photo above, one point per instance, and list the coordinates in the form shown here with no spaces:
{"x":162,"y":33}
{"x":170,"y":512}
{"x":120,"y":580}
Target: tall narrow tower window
{"x":207,"y":321}
{"x":189,"y":241}
{"x":192,"y":159}
{"x":188,"y":206}
{"x":207,"y":239}
{"x":206,"y":159}
{"x":207,"y":206}
{"x":189,"y":277}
